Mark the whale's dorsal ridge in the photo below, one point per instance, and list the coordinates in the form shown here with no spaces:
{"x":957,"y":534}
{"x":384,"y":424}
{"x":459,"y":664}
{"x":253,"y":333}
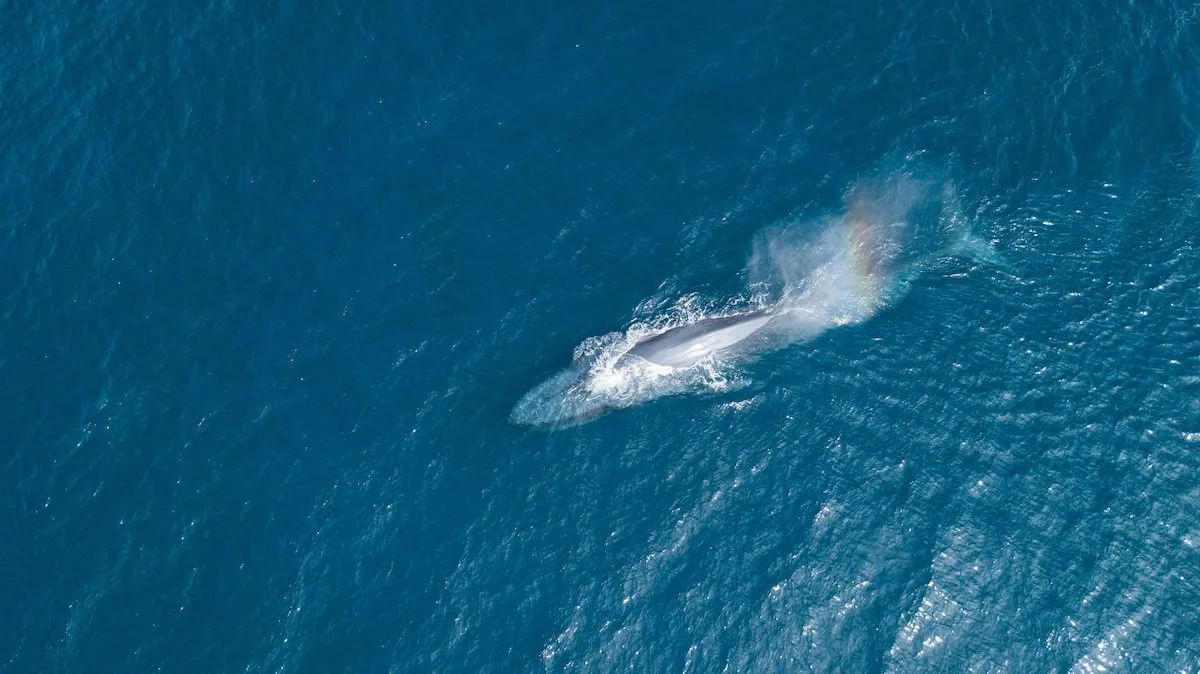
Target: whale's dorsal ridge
{"x":686,"y":345}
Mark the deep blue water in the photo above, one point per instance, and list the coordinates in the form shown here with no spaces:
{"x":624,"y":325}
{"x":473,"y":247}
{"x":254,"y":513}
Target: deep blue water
{"x":275,"y":274}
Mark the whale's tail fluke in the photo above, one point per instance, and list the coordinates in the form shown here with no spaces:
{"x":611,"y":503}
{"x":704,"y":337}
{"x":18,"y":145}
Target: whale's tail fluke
{"x":973,"y":247}
{"x":964,"y":242}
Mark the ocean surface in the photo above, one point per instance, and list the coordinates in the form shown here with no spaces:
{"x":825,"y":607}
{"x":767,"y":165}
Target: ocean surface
{"x":281,"y":279}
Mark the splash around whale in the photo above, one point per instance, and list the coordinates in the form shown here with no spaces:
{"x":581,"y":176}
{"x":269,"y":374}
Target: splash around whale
{"x":813,"y":276}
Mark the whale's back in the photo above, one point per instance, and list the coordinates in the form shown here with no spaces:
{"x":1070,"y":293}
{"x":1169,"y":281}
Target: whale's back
{"x":688,"y":344}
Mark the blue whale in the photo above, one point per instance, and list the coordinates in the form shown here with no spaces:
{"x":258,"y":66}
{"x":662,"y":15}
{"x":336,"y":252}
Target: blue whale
{"x":666,"y":360}
{"x":837,"y":275}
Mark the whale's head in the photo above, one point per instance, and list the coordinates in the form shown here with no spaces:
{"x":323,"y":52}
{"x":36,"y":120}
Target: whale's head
{"x":561,"y":401}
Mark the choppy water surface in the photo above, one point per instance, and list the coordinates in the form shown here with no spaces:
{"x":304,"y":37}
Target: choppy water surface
{"x":277,"y":279}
